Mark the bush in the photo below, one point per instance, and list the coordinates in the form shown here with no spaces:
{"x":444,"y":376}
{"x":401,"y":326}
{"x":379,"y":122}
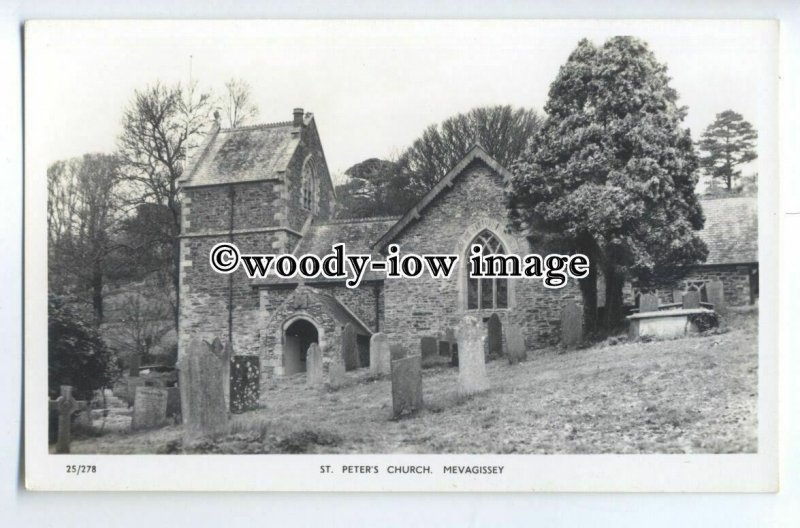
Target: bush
{"x":705,"y":321}
{"x":77,"y":356}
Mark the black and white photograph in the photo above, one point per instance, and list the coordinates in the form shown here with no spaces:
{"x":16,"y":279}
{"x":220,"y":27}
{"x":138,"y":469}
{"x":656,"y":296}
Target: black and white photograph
{"x":403,"y":238}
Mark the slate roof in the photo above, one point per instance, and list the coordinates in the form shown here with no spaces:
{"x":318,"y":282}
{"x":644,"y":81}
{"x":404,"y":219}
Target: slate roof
{"x":357,"y":234}
{"x":731,"y":230}
{"x":251,"y":153}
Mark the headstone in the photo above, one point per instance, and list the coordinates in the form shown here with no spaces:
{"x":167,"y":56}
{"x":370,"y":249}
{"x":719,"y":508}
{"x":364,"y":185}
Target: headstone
{"x":691,"y":299}
{"x":336,"y":372}
{"x":471,"y":361}
{"x":648,"y":302}
{"x":245,"y":383}
{"x":677,"y":296}
{"x":494,"y":333}
{"x":315,"y":373}
{"x":149,"y":408}
{"x":398,"y":352}
{"x":202,"y":384}
{"x":571,"y":325}
{"x":454,"y":355}
{"x":173,"y":401}
{"x":427,"y":347}
{"x":65,"y":405}
{"x":716,"y":295}
{"x":406,"y":385}
{"x":226,"y":355}
{"x":135,"y":364}
{"x":380,"y":355}
{"x":515,"y":344}
{"x":349,"y":347}
{"x":444,"y":349}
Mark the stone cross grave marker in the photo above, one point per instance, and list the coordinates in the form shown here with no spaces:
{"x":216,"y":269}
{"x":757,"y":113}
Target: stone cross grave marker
{"x":380,"y":355}
{"x":315,"y":372}
{"x":495,"y":336}
{"x":406,"y":385}
{"x":202,"y":384}
{"x":65,"y":405}
{"x":648,"y":302}
{"x":716,"y":295}
{"x":691,"y":299}
{"x":149,"y":408}
{"x":471,"y":360}
{"x":245,"y":383}
{"x":571,"y":325}
{"x":349,"y":347}
{"x":515,"y":344}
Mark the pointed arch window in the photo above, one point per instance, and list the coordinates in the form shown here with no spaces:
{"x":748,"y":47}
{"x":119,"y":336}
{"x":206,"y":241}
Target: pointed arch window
{"x":486,"y":293}
{"x":309,"y":186}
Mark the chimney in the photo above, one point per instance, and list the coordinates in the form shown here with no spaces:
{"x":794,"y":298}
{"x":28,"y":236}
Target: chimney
{"x":298,"y":117}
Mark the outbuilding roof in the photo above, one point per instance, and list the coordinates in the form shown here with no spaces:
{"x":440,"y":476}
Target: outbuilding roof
{"x":731,"y":230}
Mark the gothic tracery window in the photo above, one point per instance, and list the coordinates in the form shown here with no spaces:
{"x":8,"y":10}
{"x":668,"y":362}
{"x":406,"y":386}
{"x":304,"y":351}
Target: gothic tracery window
{"x":309,"y":185}
{"x":486,"y":293}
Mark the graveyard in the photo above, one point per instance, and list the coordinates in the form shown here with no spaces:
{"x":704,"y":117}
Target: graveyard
{"x":690,"y":394}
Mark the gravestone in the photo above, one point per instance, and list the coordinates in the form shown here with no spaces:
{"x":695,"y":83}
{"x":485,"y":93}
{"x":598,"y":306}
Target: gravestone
{"x":427,"y":346}
{"x":65,"y":405}
{"x":450,"y":335}
{"x":677,"y":296}
{"x":226,"y":355}
{"x":515,"y":344}
{"x":716,"y":295}
{"x":245,"y":383}
{"x":173,"y":402}
{"x":349,"y":347}
{"x":397,"y":352}
{"x":336,"y":372}
{"x":471,"y":360}
{"x":315,"y":373}
{"x":571,"y":325}
{"x":494,"y":336}
{"x":454,"y":355}
{"x":444,"y":349}
{"x":202,"y":384}
{"x":648,"y":302}
{"x":380,"y":355}
{"x":691,"y":299}
{"x":149,"y":408}
{"x":406,"y":385}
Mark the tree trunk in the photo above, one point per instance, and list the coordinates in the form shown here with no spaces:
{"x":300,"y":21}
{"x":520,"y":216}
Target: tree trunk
{"x":588,"y":286}
{"x":613,"y":310}
{"x":97,"y":292}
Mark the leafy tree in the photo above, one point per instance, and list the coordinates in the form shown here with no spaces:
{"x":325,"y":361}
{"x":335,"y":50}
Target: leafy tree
{"x":611,"y":173}
{"x":237,"y":103}
{"x":502,"y":130}
{"x":160,"y":128}
{"x":83,"y":211}
{"x":77,"y":355}
{"x":375,"y":187}
{"x":726,"y":144}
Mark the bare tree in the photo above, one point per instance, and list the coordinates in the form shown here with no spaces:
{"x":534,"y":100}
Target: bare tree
{"x":237,"y":103}
{"x":160,"y":127}
{"x":83,"y":210}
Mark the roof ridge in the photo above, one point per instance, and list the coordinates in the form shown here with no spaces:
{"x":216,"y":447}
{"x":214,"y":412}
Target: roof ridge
{"x":276,"y":124}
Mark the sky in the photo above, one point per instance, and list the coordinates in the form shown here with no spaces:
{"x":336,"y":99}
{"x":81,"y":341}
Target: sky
{"x":373,"y":86}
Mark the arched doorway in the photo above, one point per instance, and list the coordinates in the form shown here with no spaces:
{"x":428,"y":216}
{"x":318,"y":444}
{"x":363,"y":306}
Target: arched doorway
{"x":298,"y":337}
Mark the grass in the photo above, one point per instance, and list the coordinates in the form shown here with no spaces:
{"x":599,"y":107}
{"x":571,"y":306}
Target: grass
{"x":692,"y":395}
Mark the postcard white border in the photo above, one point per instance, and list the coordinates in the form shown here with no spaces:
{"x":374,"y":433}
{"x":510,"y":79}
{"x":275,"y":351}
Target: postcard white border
{"x":581,"y":473}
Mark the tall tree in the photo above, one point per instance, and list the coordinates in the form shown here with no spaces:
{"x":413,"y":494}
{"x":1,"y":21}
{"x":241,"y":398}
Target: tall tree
{"x":376,"y":187}
{"x":612,"y":173}
{"x":84,"y":211}
{"x":503,"y":131}
{"x":160,"y":127}
{"x":237,"y":103}
{"x":728,"y":143}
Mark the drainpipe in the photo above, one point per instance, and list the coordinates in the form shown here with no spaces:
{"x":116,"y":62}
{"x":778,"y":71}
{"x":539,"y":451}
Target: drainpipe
{"x":232,"y":195}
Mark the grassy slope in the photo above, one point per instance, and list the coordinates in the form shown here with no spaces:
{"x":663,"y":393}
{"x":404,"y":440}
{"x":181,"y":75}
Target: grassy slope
{"x":695,"y":395}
